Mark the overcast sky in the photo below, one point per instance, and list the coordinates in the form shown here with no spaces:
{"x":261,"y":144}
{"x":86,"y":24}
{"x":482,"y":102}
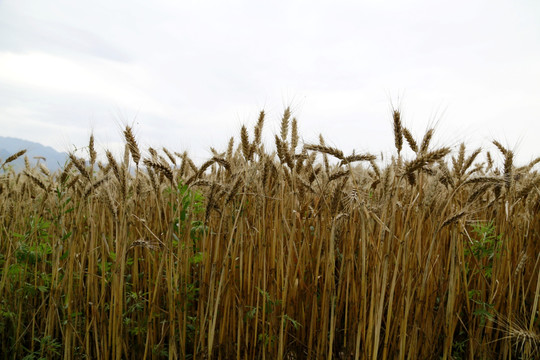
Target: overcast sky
{"x":188,"y":74}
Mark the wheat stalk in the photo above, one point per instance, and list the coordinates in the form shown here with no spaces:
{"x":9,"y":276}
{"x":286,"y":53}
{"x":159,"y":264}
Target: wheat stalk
{"x":79,"y":164}
{"x":285,"y":123}
{"x":410,"y":139}
{"x":398,"y":130}
{"x":326,"y":150}
{"x":132,"y":144}
{"x":92,"y":151}
{"x":14,"y":157}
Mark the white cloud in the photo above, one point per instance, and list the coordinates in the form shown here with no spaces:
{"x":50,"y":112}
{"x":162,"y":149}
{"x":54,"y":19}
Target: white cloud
{"x":113,"y":82}
{"x":193,"y":71}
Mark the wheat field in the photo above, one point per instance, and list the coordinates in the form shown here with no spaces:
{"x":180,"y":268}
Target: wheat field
{"x":295,"y":252}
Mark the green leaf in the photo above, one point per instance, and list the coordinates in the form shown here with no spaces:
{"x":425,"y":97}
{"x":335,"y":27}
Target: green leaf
{"x":196,"y":258}
{"x":66,"y":235}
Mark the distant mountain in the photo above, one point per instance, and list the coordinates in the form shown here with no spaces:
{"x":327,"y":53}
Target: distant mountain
{"x":54,"y":160}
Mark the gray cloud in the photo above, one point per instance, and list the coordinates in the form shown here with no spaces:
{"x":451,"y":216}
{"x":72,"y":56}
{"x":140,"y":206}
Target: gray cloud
{"x":23,"y":33}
